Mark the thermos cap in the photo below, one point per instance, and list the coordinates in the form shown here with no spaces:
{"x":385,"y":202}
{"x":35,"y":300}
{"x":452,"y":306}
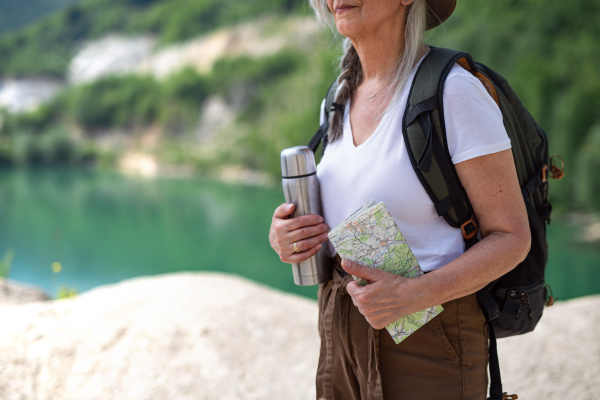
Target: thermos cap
{"x":297,"y":161}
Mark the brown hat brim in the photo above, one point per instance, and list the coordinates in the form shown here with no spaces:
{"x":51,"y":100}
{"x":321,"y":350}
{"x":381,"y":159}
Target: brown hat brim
{"x":439,"y":11}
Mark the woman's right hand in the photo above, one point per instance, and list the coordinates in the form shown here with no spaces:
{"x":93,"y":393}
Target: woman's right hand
{"x":307,"y":231}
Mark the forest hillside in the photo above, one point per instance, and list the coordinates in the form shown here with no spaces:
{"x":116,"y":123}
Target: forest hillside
{"x":210,"y":85}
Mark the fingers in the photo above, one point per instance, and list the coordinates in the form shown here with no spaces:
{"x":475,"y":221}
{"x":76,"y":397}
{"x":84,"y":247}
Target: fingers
{"x":300,"y":222}
{"x":305,"y":239}
{"x":284,"y":210}
{"x":307,"y":231}
{"x":354,"y":289}
{"x":367,"y":273}
{"x":309,"y":243}
{"x":281,"y":227}
{"x":305,"y":255}
{"x":362,"y":297}
{"x":384,"y":301}
{"x":307,"y":248}
{"x":319,"y":230}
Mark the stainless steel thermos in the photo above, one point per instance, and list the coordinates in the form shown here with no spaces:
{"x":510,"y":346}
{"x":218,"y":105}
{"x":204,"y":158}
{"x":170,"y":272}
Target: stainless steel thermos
{"x":301,"y":187}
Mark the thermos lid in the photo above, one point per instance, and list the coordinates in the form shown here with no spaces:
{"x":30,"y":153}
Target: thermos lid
{"x":297,"y":161}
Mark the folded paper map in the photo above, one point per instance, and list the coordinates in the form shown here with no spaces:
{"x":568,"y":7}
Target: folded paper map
{"x":371,"y":237}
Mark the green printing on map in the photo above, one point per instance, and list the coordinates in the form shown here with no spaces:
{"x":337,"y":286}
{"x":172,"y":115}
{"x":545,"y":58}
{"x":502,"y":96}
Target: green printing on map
{"x":371,"y":237}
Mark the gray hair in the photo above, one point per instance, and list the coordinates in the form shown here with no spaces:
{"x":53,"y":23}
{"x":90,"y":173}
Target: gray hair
{"x":351,"y":70}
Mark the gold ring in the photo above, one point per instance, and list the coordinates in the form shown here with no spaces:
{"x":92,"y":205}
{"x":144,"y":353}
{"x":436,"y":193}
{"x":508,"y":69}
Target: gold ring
{"x":296,"y":248}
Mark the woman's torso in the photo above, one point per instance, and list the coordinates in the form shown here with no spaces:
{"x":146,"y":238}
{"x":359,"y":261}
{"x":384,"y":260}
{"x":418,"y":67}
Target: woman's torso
{"x":380,"y":168}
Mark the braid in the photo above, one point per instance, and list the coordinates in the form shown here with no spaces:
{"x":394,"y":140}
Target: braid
{"x":348,"y":81}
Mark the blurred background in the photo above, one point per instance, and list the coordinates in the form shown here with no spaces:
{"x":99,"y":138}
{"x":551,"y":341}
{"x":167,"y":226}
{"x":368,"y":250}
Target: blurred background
{"x":140,"y":137}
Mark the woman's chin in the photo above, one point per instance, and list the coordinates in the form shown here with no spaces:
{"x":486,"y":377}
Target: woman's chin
{"x":347,"y":28}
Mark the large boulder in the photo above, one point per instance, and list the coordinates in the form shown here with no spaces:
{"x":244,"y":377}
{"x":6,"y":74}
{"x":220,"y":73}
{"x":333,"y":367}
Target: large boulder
{"x":12,"y":293}
{"x":214,"y":336}
{"x":181,"y":336}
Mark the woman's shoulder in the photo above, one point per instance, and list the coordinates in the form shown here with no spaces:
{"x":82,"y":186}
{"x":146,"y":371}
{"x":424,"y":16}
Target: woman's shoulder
{"x":461,"y":85}
{"x":458,"y":72}
{"x":474,"y":123}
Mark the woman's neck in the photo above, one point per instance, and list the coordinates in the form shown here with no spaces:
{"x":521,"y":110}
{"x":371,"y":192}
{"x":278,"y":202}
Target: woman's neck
{"x":380,"y":50}
{"x":379,"y":60}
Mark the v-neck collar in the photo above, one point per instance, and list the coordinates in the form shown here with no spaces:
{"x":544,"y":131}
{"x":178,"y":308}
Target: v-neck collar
{"x":347,"y":129}
{"x":348,"y":135}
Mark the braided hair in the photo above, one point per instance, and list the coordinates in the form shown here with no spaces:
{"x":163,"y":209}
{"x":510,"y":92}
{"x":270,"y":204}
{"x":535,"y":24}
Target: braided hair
{"x":348,"y":81}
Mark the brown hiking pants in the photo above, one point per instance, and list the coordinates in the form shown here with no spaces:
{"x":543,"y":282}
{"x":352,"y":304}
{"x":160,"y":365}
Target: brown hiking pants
{"x":446,"y":359}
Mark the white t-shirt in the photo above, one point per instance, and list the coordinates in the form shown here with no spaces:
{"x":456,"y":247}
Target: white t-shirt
{"x":380,"y":168}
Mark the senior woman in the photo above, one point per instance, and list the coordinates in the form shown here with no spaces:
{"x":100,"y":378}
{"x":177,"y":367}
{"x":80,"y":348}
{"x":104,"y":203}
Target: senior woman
{"x":366,"y":159}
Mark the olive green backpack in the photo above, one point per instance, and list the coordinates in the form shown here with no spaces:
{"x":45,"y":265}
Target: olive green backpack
{"x":514,"y":303}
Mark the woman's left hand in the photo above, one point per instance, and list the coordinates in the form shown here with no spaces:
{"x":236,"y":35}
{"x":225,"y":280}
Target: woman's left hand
{"x":387,"y":297}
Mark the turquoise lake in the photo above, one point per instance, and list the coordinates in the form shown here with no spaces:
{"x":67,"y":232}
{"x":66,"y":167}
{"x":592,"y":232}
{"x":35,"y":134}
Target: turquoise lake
{"x":103,"y":228}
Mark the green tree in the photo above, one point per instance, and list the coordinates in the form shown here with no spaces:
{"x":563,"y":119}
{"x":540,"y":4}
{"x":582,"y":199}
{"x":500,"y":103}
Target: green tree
{"x":588,"y":170}
{"x":548,"y":51}
{"x":116,"y":102}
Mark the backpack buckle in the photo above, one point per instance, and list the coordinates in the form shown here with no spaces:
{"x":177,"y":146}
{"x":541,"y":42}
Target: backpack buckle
{"x":555,"y":172}
{"x":469,"y":229}
{"x":544,"y":173}
{"x":551,"y":299}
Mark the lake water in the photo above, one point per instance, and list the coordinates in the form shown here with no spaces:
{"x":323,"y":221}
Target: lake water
{"x":103,"y":228}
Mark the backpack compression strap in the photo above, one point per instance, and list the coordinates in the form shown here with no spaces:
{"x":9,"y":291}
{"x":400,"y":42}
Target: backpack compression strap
{"x":424,"y":132}
{"x":321,"y":134}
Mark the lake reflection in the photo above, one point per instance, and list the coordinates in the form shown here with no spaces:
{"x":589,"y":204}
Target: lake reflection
{"x":103,"y":228}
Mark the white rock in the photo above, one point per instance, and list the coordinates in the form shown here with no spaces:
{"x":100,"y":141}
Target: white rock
{"x":262,"y":37}
{"x":111,"y":55}
{"x":216,"y":116}
{"x":214,"y":336}
{"x":114,"y":55}
{"x":19,"y":95}
{"x":181,"y":336}
{"x":560,"y":359}
{"x":12,"y":293}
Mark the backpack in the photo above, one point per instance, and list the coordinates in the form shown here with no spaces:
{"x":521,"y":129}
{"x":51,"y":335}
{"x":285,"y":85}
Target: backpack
{"x":514,"y":303}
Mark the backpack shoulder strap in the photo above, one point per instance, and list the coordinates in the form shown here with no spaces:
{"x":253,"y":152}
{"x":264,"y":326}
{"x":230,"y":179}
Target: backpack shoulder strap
{"x":424,"y":132}
{"x":321,"y":134}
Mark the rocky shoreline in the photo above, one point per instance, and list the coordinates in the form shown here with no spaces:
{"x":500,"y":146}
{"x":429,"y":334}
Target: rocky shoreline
{"x":214,"y":336}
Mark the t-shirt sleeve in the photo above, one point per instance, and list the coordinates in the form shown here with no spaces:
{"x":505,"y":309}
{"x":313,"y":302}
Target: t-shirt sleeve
{"x":322,"y":117}
{"x":474,"y":125}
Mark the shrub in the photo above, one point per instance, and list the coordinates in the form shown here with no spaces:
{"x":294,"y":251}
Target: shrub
{"x":56,"y":146}
{"x":187,"y":87}
{"x":115,"y":102}
{"x":6,"y":263}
